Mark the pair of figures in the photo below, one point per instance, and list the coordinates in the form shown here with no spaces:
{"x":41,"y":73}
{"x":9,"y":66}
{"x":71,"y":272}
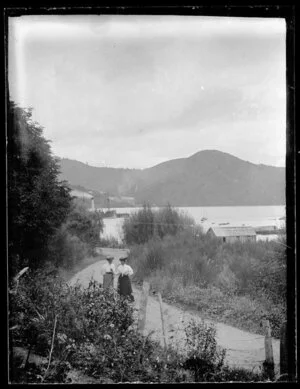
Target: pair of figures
{"x":124,"y":272}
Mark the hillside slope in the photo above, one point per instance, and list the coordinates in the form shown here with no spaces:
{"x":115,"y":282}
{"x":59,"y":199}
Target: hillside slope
{"x":212,"y":178}
{"x":102,"y":179}
{"x":207,"y":178}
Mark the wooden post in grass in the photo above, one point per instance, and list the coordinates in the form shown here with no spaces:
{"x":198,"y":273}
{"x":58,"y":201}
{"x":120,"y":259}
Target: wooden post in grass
{"x":164,"y":337}
{"x":162,"y":321}
{"x":269,"y":361}
{"x":283,"y":350}
{"x":143,"y":307}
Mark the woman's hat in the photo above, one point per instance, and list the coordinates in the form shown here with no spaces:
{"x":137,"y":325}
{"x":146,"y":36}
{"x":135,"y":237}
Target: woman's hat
{"x":109,"y":257}
{"x":123,"y":258}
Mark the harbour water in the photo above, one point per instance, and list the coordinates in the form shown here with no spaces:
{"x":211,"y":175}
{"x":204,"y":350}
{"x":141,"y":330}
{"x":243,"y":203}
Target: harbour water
{"x":255,"y":216}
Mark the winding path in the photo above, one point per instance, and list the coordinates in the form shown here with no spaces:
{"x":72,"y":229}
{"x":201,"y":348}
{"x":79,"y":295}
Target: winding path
{"x":244,"y":349}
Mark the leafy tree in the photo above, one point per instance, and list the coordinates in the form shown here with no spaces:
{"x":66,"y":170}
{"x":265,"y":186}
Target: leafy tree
{"x":84,"y":224}
{"x":38,"y":203}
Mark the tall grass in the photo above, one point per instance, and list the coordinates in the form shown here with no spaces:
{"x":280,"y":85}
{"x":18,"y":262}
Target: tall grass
{"x":239,"y":283}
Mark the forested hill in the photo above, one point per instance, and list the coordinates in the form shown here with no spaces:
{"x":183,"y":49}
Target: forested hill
{"x":102,"y":179}
{"x":207,"y":178}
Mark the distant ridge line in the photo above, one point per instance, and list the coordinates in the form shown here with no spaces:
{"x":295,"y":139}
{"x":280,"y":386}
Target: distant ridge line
{"x":170,"y":160}
{"x":206,"y":178}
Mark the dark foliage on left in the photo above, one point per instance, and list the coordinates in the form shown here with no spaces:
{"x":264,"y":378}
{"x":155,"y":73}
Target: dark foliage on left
{"x":38,"y":203}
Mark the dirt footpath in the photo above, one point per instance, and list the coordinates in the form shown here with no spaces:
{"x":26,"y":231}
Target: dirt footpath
{"x":243,"y":348}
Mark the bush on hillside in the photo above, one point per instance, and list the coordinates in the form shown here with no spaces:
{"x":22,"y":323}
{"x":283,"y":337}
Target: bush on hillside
{"x":67,"y":250}
{"x":147,"y":223}
{"x":259,"y":268}
{"x":139,"y":227}
{"x":76,"y":239}
{"x":84,"y":224}
{"x":83,"y":316}
{"x":182,"y":257}
{"x":182,"y":267}
{"x":38,"y":202}
{"x":93,"y":331}
{"x":168,"y":221}
{"x":204,"y":356}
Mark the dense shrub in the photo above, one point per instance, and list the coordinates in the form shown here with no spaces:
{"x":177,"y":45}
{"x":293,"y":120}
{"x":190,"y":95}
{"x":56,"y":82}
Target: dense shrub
{"x":147,"y":223}
{"x":184,"y":266}
{"x":139,"y":227}
{"x":94,"y":331}
{"x":67,"y":250}
{"x":168,"y":221}
{"x":84,"y":316}
{"x":41,"y":213}
{"x":76,"y":239}
{"x":38,"y":202}
{"x":85,"y":225}
{"x":204,"y":357}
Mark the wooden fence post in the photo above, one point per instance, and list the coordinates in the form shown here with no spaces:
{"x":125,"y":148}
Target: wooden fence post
{"x":269,"y":361}
{"x":283,"y":350}
{"x":143,"y":308}
{"x":162,"y":321}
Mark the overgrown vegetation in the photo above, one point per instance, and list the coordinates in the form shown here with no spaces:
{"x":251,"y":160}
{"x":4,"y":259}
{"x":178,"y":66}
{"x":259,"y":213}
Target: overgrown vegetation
{"x":85,"y":318}
{"x":237,"y":283}
{"x":44,"y":224}
{"x":38,"y":203}
{"x":95,"y":331}
{"x":76,"y":239}
{"x":146,"y":223}
{"x":46,"y":228}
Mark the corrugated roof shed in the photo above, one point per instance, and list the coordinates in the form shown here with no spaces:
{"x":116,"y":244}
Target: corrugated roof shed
{"x":233,"y":231}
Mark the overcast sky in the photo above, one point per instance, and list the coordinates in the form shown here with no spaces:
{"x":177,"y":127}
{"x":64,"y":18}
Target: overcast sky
{"x":134,"y":91}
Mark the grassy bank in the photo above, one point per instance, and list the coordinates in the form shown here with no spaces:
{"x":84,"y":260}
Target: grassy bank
{"x":237,"y":284}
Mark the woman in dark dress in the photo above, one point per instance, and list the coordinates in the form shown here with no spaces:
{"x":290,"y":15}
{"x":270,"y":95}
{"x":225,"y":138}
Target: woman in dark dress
{"x":124,"y":282}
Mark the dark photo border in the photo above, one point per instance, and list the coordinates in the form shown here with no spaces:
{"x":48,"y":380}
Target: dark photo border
{"x":287,"y":12}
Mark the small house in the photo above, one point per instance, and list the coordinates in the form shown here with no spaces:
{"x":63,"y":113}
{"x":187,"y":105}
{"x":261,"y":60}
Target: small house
{"x":84,"y":198}
{"x":233,"y":234}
